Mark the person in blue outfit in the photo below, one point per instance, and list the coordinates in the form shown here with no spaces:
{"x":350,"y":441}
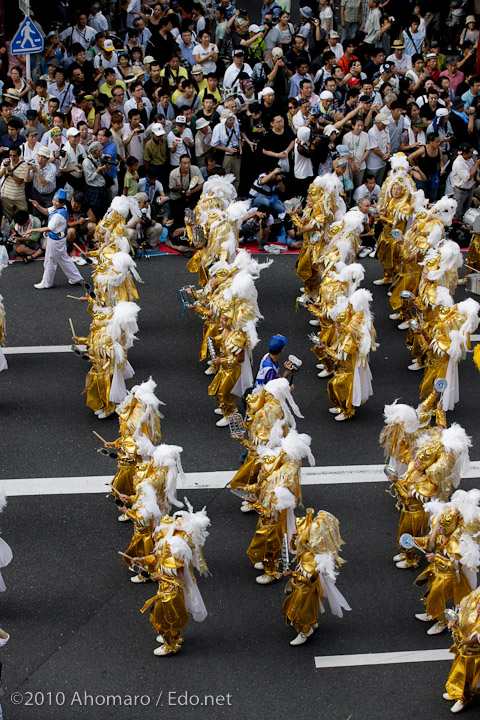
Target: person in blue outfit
{"x":56,"y":243}
{"x":269,"y":365}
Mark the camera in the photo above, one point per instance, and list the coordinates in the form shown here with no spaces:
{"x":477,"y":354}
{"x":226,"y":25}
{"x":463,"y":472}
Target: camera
{"x":104,"y":160}
{"x":7,"y":162}
{"x":63,"y":153}
{"x":31,"y":163}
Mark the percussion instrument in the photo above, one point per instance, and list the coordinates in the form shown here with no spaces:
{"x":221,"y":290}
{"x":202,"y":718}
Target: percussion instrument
{"x":211,"y":349}
{"x":472,"y":219}
{"x":473,"y":283}
{"x":199,"y":239}
{"x":294,"y":366}
{"x":451,"y":615}
{"x":186,"y":297}
{"x":315,"y":339}
{"x":79,"y":353}
{"x":190,"y":216}
{"x":239,"y":492}
{"x":414,"y":324}
{"x":285,"y":555}
{"x":407,"y":295}
{"x":292,"y":204}
{"x":440,"y":385}
{"x":407,"y":542}
{"x":236,"y":426}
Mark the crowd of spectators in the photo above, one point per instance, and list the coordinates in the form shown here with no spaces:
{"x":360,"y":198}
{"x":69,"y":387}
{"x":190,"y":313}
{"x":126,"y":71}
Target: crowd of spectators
{"x":150,"y":99}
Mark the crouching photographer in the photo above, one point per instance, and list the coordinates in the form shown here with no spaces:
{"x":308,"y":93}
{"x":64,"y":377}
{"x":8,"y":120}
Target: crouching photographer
{"x":96,"y":167}
{"x":265,"y":189}
{"x":256,"y":226}
{"x":144,"y":231}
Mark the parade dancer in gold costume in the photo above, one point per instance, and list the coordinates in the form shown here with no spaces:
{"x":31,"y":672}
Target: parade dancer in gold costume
{"x":351,"y":384}
{"x":395,"y":206}
{"x":449,"y":341}
{"x":317,"y":543}
{"x":177,"y":553}
{"x":274,"y":497}
{"x":324,"y":206}
{"x":464,"y":677}
{"x":454,"y":529}
{"x":437,"y":465}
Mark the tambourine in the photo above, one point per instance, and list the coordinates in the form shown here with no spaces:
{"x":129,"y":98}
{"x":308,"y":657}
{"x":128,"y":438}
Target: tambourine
{"x":141,"y":571}
{"x":193,"y":182}
{"x":407,"y":542}
{"x":292,"y":204}
{"x":440,"y":385}
{"x":407,"y":295}
{"x":79,"y":353}
{"x":314,"y":338}
{"x":108,"y":453}
{"x":451,"y":615}
{"x":390,"y":472}
{"x":414,"y":324}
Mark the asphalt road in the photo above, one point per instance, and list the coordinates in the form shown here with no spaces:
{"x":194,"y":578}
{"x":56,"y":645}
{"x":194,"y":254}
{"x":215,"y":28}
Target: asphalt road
{"x":73,"y":614}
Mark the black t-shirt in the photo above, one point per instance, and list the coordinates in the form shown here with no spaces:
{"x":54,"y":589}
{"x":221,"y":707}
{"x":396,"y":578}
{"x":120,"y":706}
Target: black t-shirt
{"x":277,"y":144}
{"x":213,"y":119}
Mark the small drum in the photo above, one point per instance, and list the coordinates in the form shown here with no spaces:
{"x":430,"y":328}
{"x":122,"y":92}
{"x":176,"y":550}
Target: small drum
{"x":472,"y":219}
{"x":473,"y":283}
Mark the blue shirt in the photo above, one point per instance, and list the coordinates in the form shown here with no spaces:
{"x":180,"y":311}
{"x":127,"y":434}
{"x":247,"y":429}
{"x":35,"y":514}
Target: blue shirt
{"x":268,"y":371}
{"x":111,"y":149}
{"x":64,"y":213}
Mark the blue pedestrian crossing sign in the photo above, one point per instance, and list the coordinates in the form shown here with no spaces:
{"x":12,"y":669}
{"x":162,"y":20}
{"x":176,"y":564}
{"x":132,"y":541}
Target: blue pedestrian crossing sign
{"x":27,"y":39}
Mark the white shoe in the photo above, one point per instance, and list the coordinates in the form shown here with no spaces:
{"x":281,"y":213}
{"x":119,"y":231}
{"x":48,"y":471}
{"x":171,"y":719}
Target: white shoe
{"x":246,"y":507}
{"x":138,"y":579}
{"x":218,"y":411}
{"x":436,"y":629}
{"x":75,"y":282}
{"x":314,"y":322}
{"x":325,"y":373}
{"x":74,"y":259}
{"x":123,"y":518}
{"x":97,"y":412}
{"x":381,"y":281}
{"x":301,"y":638}
{"x":162,"y":650}
{"x":424,"y":617}
{"x":459,"y":705}
{"x":265,"y":579}
{"x":394,"y":316}
{"x":41,"y":286}
{"x":403,"y":565}
{"x":462,"y":281}
{"x":334,"y":411}
{"x":446,"y":696}
{"x":223,"y":422}
{"x":81,"y":261}
{"x":372,"y":253}
{"x":259,"y":566}
{"x":403,"y":325}
{"x":389,"y":294}
{"x":399,"y":557}
{"x":210,"y":371}
{"x":302,"y":289}
{"x":414,"y":367}
{"x":340,"y":417}
{"x":159,"y":639}
{"x":320,"y":366}
{"x":364,"y":252}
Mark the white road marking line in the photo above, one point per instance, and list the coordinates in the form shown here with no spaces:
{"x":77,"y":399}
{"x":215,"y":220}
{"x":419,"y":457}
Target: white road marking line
{"x":474,"y":338}
{"x":199,"y":481}
{"x":40,"y":349}
{"x":391,"y":658}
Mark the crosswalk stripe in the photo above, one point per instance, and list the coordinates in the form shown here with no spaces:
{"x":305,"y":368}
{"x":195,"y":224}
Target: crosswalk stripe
{"x":334,"y":475}
{"x":389,"y":658}
{"x":40,"y":349}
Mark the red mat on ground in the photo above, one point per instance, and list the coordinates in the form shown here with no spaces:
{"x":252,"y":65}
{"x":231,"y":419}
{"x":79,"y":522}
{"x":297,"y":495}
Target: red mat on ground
{"x":251,"y":247}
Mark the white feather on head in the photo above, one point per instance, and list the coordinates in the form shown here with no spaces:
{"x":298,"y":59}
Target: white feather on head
{"x":237,"y":211}
{"x":169,"y":456}
{"x":124,"y":263}
{"x":297,"y":446}
{"x":399,"y":162}
{"x":245,"y":261}
{"x":280,"y":389}
{"x":450,"y":257}
{"x":285,"y":500}
{"x":435,"y":236}
{"x":146,"y":504}
{"x":443,"y":297}
{"x":456,"y":441}
{"x":445,"y":208}
{"x":419,"y":201}
{"x":352,"y":274}
{"x":221,"y":188}
{"x":124,"y":322}
{"x":340,"y":306}
{"x":325,"y":564}
{"x":360,"y":300}
{"x":124,"y":205}
{"x":401,"y":413}
{"x":353,"y":221}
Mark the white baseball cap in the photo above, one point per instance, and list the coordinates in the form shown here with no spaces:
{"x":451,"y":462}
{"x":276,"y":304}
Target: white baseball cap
{"x":73,"y":132}
{"x":158,"y":130}
{"x":326,"y":95}
{"x":44,"y":152}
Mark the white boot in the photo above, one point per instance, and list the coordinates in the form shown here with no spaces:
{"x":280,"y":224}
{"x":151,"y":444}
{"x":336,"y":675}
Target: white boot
{"x":325,"y":373}
{"x":123,"y":518}
{"x":403,"y":325}
{"x":210,"y":370}
{"x":314,"y":322}
{"x":138,"y":579}
{"x":424,"y":617}
{"x":436,"y":630}
{"x":301,"y":638}
{"x":341,"y":417}
{"x":246,"y":507}
{"x":159,"y":639}
{"x":223,"y":422}
{"x":394,"y":316}
{"x":415,"y":366}
{"x":397,"y":558}
{"x":218,"y":411}
{"x":259,"y":566}
{"x":446,"y":696}
{"x":334,"y":411}
{"x":381,"y":281}
{"x":320,"y":366}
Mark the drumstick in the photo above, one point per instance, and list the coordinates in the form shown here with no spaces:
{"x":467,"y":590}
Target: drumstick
{"x":74,"y":297}
{"x":471,"y":268}
{"x":79,"y":248}
{"x":99,"y":437}
{"x":71,"y":327}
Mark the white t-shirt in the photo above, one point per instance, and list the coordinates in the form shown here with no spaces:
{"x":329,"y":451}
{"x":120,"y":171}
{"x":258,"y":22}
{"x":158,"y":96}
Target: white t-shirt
{"x":232,"y":73}
{"x":404,"y":64}
{"x":358,"y":145}
{"x":377,"y":139}
{"x":200,"y":52}
{"x":303,"y":167}
{"x":182,"y":149}
{"x":325,"y":15}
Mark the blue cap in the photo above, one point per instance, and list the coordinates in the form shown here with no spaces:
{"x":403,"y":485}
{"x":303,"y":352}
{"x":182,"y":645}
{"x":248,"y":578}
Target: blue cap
{"x":277,"y":343}
{"x":61,"y":194}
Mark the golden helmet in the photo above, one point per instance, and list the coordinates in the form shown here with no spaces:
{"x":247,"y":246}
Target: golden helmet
{"x":421,"y":215}
{"x":427,"y":454}
{"x":449,"y":521}
{"x":431,"y":264}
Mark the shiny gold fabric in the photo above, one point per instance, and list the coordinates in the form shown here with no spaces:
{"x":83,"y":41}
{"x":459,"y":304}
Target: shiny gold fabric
{"x":300,"y":608}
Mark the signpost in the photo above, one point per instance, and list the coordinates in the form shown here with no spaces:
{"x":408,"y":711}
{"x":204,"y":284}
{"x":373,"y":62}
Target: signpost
{"x":27,"y":40}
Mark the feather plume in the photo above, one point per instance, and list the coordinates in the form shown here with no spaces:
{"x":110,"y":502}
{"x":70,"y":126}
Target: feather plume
{"x":297,"y":446}
{"x":400,"y":413}
{"x":285,"y":500}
